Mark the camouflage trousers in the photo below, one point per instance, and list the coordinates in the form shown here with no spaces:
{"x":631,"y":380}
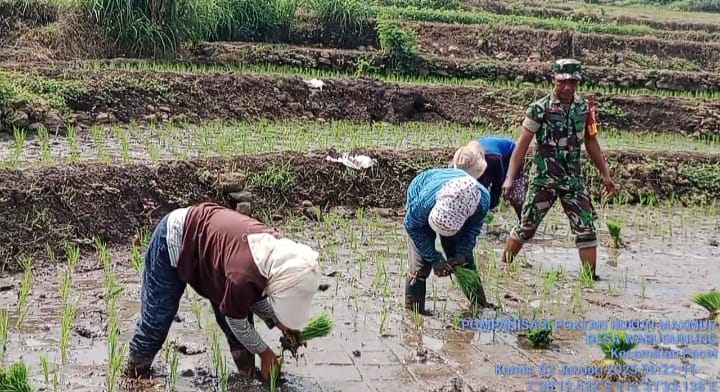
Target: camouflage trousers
{"x":575,"y":202}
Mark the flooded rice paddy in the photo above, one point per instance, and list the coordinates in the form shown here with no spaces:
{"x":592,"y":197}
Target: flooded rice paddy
{"x":670,"y":254}
{"x":154,"y":142}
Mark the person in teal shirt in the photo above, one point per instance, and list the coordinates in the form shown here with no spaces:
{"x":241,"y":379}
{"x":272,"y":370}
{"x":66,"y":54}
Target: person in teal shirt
{"x":449,"y":203}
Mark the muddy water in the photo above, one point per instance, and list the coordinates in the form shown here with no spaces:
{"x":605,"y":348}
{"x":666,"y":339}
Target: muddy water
{"x":376,"y":346}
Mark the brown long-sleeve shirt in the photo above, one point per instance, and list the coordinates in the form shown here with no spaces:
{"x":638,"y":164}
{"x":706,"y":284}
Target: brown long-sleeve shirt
{"x":215,"y":259}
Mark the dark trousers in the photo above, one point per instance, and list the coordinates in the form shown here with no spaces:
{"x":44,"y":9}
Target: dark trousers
{"x":162,"y":290}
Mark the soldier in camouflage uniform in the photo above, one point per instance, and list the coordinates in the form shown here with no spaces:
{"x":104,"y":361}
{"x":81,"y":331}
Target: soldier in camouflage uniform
{"x":561,"y":122}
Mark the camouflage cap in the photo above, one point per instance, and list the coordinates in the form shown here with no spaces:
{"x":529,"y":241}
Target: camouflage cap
{"x":567,"y":69}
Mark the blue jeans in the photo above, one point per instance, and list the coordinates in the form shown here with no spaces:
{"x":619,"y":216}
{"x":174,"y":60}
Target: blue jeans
{"x":162,"y":290}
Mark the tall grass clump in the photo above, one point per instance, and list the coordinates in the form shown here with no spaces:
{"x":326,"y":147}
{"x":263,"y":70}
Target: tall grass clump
{"x":15,"y":378}
{"x":256,"y":20}
{"x":155,"y":27}
{"x":711,"y":302}
{"x":341,"y":21}
{"x":399,"y":44}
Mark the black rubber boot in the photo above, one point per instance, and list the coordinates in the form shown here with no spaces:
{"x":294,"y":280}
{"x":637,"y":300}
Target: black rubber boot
{"x":137,"y":366}
{"x":415,"y":296}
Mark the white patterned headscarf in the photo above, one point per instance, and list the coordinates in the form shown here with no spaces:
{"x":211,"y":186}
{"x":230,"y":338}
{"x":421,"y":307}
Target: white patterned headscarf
{"x":456,"y":201}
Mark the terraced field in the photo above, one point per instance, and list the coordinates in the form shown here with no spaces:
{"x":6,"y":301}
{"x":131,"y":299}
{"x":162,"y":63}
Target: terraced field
{"x":107,"y":123}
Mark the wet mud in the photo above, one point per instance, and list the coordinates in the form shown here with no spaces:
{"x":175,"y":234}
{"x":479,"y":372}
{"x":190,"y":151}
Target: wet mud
{"x":376,"y":346}
{"x":50,"y":205}
{"x":98,"y":97}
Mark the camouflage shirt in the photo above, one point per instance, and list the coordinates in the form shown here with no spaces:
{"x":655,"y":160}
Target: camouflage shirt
{"x":559,"y":135}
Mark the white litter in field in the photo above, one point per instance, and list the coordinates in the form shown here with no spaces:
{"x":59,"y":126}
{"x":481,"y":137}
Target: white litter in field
{"x":315,"y":84}
{"x":355,"y":162}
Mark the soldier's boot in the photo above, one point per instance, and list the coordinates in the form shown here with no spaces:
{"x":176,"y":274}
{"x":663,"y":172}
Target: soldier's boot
{"x":415,"y":296}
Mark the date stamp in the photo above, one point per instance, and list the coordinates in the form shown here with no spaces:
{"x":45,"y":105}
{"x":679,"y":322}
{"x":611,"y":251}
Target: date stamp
{"x":616,"y":370}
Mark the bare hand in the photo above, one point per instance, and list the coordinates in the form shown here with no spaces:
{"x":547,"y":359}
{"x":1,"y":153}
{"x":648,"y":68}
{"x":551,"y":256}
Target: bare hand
{"x":610,"y":187}
{"x":269,"y":363}
{"x":507,"y":186}
{"x":292,"y":333}
{"x":442,"y":270}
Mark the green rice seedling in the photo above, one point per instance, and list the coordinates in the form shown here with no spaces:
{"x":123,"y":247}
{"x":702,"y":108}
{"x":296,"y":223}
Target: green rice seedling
{"x":586,"y":277}
{"x":469,"y":282}
{"x":383,"y":319}
{"x":577,"y":300}
{"x":172,"y":359}
{"x":73,"y":256}
{"x":275,"y":375}
{"x":218,"y":359}
{"x":56,"y":378}
{"x":136,"y":259}
{"x":45,"y":365}
{"x":197,"y":310}
{"x":116,"y":353}
{"x":614,"y":226}
{"x":456,"y":320}
{"x":417,"y":318}
{"x":20,"y":136}
{"x":68,"y":317}
{"x":45,"y":150}
{"x":16,"y":378}
{"x":551,"y":278}
{"x":540,"y":337}
{"x":51,"y":253}
{"x":4,"y":330}
{"x":65,"y":284}
{"x":23,"y":306}
{"x":709,"y":300}
{"x":612,"y":289}
{"x":643,"y":287}
{"x":71,"y":137}
{"x":611,"y":342}
{"x":319,"y":326}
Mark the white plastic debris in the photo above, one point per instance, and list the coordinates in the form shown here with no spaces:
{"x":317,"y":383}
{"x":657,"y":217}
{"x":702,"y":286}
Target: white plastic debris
{"x":356,"y":162}
{"x":315,"y":84}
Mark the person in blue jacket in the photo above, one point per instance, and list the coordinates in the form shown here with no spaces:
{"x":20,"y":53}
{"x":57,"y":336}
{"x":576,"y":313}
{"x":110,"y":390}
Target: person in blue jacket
{"x":452,"y":204}
{"x":497,"y":152}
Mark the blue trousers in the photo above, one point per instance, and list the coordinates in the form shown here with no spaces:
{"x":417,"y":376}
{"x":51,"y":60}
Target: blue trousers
{"x":162,"y":290}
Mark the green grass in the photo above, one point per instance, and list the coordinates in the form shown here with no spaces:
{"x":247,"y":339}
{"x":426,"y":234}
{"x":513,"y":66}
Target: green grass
{"x":157,"y":27}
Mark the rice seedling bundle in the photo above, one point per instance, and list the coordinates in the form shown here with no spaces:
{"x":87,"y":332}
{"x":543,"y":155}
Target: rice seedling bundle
{"x":317,"y":327}
{"x":15,"y":378}
{"x":469,"y":282}
{"x":611,"y":342}
{"x":709,"y":300}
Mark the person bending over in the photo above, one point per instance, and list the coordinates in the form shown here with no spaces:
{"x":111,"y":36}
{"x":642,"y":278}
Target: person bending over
{"x":240,"y":265}
{"x":497,"y":151}
{"x":448,"y":203}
